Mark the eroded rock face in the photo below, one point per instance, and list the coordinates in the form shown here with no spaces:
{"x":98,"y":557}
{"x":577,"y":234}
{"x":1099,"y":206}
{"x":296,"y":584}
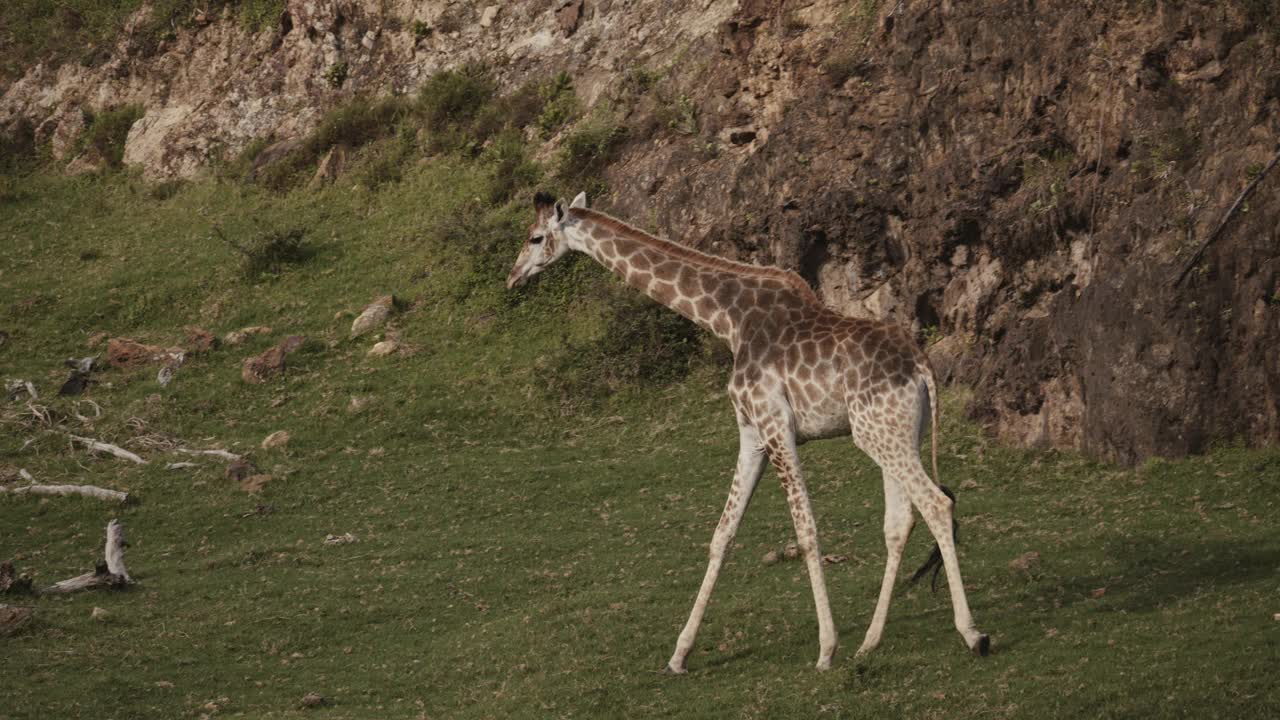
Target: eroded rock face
{"x":1025,"y":181}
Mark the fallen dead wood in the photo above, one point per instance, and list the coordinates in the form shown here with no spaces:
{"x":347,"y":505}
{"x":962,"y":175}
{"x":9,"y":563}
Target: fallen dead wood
{"x":216,"y":453}
{"x":110,"y":572}
{"x":85,"y":490}
{"x":1195,"y":257}
{"x":99,"y":446}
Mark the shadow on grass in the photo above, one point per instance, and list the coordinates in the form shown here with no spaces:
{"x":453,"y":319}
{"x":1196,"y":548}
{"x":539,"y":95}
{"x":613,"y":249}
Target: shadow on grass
{"x":1157,"y":571}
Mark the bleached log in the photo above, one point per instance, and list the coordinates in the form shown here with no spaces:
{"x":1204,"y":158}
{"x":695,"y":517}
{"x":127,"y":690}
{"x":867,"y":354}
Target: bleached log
{"x":115,"y":550}
{"x":86,"y":490}
{"x":99,"y":446}
{"x":180,"y":465}
{"x":230,"y":456}
{"x":107,"y":573}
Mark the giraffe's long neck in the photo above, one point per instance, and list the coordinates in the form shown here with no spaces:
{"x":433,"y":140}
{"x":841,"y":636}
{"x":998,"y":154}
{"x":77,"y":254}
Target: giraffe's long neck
{"x":715,"y":293}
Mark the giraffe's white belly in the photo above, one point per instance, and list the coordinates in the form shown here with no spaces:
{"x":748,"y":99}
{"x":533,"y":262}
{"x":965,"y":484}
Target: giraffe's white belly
{"x":818,"y":413}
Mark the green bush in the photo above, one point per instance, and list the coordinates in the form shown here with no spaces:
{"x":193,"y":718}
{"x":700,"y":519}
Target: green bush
{"x":559,"y":104}
{"x":269,"y":251}
{"x":454,"y":97}
{"x":106,"y":132}
{"x":588,"y":150}
{"x":643,"y":343}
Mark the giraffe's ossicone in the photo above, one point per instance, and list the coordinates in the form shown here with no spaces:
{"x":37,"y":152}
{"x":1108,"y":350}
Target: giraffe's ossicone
{"x":801,"y":372}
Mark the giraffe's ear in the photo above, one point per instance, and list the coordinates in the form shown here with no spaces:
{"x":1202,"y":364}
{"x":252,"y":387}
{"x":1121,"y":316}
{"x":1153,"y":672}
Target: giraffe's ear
{"x":560,"y":211}
{"x":580,"y":201}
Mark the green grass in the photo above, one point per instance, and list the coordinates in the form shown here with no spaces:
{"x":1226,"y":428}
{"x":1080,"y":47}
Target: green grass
{"x":517,"y":558}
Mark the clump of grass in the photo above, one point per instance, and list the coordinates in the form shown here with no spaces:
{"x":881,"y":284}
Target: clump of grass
{"x":268,"y":252}
{"x":1045,"y":176}
{"x":559,"y":104}
{"x":336,"y":74}
{"x":589,"y":149}
{"x":642,"y":344}
{"x":17,"y":146}
{"x":454,"y":97}
{"x":358,"y":123}
{"x":106,"y":131}
{"x":510,"y":165}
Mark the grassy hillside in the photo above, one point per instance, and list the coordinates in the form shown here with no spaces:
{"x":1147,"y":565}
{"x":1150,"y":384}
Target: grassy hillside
{"x":532,"y":482}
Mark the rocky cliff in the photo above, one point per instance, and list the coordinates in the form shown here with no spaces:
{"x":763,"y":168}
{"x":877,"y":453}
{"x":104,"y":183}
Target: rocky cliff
{"x":1023,"y":183}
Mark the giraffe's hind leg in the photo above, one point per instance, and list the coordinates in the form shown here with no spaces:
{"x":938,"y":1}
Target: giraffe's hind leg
{"x":887,"y":430}
{"x":898,"y":521}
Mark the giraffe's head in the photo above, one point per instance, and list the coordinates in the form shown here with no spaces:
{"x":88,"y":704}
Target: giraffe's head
{"x":546,"y":242}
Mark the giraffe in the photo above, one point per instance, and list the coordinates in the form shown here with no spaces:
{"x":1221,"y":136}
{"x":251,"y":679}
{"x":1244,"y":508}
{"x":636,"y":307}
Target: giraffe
{"x":800,"y":372}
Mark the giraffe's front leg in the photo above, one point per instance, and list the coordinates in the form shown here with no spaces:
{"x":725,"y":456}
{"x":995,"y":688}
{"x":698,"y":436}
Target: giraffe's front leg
{"x":750,"y":465}
{"x":782,"y":453}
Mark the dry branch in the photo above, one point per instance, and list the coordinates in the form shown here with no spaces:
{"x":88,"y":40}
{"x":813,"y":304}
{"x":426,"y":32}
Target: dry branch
{"x":216,"y":453}
{"x":99,"y":446}
{"x":1195,"y":257}
{"x":86,"y":490}
{"x":108,"y":573}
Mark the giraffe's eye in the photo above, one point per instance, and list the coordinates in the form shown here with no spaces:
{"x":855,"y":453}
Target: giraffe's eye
{"x":535,"y":240}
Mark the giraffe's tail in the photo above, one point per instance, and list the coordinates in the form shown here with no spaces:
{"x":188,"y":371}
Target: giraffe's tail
{"x":930,"y":398}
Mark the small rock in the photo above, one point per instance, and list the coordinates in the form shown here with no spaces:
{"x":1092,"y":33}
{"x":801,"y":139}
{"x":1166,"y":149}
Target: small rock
{"x":14,"y":618}
{"x":1025,"y":562}
{"x":969,"y":485}
{"x":235,"y":337}
{"x":99,"y":614}
{"x":200,"y":340}
{"x":254,"y":483}
{"x":384,"y":348}
{"x":489,"y":15}
{"x":373,"y":315}
{"x":330,"y":166}
{"x":165,"y":376}
{"x":342,"y":539}
{"x":568,"y":16}
{"x":259,"y":368}
{"x":770,"y":558}
{"x":791,"y":551}
{"x":125,"y":353}
{"x":312,"y":699}
{"x":359,"y":403}
{"x":279,"y":438}
{"x":239,"y":470}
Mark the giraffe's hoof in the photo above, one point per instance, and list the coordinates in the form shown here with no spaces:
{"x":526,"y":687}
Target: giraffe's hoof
{"x":672,"y":670}
{"x":983,"y":647}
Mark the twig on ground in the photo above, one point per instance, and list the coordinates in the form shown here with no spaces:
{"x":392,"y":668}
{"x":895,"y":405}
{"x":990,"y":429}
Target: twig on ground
{"x":216,"y":453}
{"x":99,"y":446}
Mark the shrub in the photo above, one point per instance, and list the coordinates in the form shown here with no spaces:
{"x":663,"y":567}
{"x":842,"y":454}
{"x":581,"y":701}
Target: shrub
{"x":559,"y":104}
{"x":512,"y":168}
{"x":454,"y":97}
{"x":588,"y":150}
{"x":643,"y":343}
{"x":269,"y":251}
{"x":106,"y":132}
